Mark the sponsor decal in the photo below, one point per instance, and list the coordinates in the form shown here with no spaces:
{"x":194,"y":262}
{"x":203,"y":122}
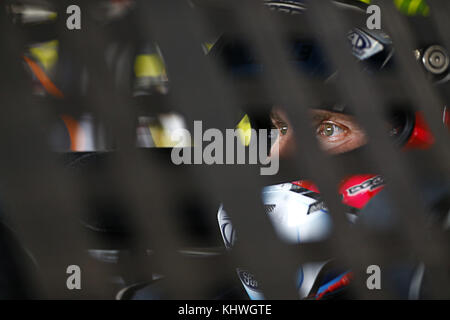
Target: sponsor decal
{"x":370,"y":184}
{"x":317,"y":206}
{"x":363,"y":45}
{"x":248,"y":279}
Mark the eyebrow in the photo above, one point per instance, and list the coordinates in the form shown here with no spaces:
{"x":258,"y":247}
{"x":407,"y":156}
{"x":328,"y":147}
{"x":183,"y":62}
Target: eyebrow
{"x":321,"y":116}
{"x":317,"y":117}
{"x":274,"y":115}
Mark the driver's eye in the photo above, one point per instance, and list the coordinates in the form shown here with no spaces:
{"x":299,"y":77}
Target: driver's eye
{"x":330,"y":130}
{"x":281,"y":126}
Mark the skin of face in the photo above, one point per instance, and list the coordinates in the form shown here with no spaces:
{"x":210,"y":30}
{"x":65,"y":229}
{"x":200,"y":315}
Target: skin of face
{"x":336,"y":132}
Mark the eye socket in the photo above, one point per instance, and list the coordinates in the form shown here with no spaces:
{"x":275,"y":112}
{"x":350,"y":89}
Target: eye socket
{"x":281,"y":126}
{"x":326,"y":129}
{"x":335,"y":132}
{"x":331,"y":130}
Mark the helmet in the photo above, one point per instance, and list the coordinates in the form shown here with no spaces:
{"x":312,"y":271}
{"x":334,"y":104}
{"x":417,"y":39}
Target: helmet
{"x":295,"y":208}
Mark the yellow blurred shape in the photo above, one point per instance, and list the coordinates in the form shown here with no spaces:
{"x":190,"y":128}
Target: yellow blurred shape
{"x":149,"y":65}
{"x":46,"y":53}
{"x":410,"y":7}
{"x":246,"y":133}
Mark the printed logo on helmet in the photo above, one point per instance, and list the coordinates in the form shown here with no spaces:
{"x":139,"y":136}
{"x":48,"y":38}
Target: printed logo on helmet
{"x":364,"y":46}
{"x":248,"y":279}
{"x":371,"y":184}
{"x":317,"y":206}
